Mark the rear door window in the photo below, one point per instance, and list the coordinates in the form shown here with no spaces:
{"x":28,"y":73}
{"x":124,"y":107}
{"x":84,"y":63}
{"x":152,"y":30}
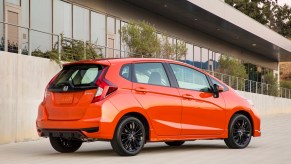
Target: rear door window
{"x":76,"y":77}
{"x":151,"y":73}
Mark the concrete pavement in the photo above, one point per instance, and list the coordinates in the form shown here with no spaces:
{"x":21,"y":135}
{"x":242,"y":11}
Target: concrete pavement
{"x":273,"y":147}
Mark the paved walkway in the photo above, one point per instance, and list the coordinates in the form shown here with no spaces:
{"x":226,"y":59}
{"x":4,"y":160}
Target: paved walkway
{"x":273,"y":147}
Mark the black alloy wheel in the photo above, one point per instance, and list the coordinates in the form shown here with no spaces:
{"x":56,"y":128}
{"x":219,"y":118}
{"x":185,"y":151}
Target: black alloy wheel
{"x":240,"y":132}
{"x":63,"y":145}
{"x":129,"y":137}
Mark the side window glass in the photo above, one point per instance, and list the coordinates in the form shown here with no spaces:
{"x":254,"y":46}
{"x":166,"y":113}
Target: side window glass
{"x":151,"y":73}
{"x":125,"y":71}
{"x":188,"y":78}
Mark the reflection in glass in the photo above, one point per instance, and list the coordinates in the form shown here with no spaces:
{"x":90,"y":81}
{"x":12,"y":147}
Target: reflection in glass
{"x":189,"y":54}
{"x":25,"y":13}
{"x":80,"y":23}
{"x":1,"y":26}
{"x":210,"y":61}
{"x":41,"y":19}
{"x":197,"y":57}
{"x":204,"y":59}
{"x":117,"y":40}
{"x":40,"y":42}
{"x":15,"y":2}
{"x":216,"y":61}
{"x":62,"y":18}
{"x":110,"y":25}
{"x":98,"y":28}
{"x":124,"y":47}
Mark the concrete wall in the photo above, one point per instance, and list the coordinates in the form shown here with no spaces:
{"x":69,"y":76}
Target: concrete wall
{"x":126,"y":11}
{"x":22,"y":83}
{"x":267,"y":105}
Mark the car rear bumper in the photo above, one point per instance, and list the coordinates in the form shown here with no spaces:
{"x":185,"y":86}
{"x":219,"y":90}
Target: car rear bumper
{"x":96,"y":123}
{"x":76,"y":129}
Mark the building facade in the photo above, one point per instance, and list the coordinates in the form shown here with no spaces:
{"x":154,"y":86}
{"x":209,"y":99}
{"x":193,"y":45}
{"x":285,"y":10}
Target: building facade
{"x":28,"y":26}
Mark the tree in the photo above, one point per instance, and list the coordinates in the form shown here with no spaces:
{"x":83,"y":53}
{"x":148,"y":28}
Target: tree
{"x":259,"y":10}
{"x":273,"y":84}
{"x":141,"y":39}
{"x":233,"y":67}
{"x":267,"y":12}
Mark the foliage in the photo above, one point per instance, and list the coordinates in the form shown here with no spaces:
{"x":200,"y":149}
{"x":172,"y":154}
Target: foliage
{"x":267,"y":12}
{"x":285,"y":84}
{"x":72,"y":50}
{"x":273,"y":87}
{"x":142,"y":41}
{"x":232,"y":67}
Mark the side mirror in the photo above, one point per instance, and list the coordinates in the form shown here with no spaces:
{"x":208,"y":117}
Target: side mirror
{"x":216,"y":89}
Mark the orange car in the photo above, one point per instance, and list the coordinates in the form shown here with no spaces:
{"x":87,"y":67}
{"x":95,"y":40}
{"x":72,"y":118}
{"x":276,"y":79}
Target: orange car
{"x":133,"y":101}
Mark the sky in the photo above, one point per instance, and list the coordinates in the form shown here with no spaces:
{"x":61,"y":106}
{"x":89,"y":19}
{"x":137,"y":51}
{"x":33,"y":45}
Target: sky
{"x":282,"y":2}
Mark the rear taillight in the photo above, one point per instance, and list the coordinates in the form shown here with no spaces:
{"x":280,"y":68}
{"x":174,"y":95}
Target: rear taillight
{"x":45,"y":92}
{"x":104,"y":89}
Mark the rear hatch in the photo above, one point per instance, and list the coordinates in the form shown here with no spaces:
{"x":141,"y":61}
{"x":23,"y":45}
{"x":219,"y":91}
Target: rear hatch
{"x":72,"y":91}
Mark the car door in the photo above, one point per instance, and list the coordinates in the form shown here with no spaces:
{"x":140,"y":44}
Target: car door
{"x":152,"y":89}
{"x":202,"y":114}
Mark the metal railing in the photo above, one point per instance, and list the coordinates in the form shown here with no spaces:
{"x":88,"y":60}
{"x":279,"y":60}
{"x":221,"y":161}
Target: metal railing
{"x":33,"y":42}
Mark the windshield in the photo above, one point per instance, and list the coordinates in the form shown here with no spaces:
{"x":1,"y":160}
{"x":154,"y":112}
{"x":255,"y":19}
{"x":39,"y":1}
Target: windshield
{"x":76,"y":77}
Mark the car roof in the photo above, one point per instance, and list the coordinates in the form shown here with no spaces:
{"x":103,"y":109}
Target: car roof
{"x":109,"y":61}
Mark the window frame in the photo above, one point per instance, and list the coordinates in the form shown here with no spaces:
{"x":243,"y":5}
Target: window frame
{"x":134,"y":80}
{"x":176,"y":81}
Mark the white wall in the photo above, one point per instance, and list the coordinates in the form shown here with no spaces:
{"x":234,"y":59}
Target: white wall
{"x":22,"y":83}
{"x":266,"y":105}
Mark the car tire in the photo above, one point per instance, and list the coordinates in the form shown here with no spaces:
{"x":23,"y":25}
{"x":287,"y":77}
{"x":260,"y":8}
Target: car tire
{"x":239,"y":132}
{"x":129,"y":137}
{"x":64,"y":145}
{"x":175,"y":143}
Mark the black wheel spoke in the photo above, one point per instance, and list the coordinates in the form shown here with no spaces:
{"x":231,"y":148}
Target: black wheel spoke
{"x":131,"y":136}
{"x":241,"y":131}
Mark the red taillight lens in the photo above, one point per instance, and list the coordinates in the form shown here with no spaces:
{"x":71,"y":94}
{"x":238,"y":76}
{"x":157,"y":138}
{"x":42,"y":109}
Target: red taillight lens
{"x":104,"y":89}
{"x":45,"y":92}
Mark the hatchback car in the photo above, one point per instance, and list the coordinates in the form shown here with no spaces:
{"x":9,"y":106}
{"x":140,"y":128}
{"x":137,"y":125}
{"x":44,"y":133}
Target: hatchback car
{"x":133,"y":101}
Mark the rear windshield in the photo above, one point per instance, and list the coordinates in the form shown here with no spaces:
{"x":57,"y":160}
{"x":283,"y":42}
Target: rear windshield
{"x":76,"y":77}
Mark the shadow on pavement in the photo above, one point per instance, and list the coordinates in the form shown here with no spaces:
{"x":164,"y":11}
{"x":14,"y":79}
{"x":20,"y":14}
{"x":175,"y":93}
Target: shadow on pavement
{"x":146,"y":150}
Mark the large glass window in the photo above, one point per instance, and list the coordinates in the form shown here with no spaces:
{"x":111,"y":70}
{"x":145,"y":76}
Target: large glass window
{"x":216,"y":61}
{"x":189,"y":54}
{"x":151,"y":73}
{"x":110,"y":25}
{"x":80,"y":23}
{"x":98,"y":28}
{"x":124,"y":47}
{"x":197,"y":57}
{"x":62,"y":18}
{"x":41,"y":19}
{"x":204,"y":59}
{"x":210,"y":61}
{"x":1,"y":26}
{"x":189,"y":78}
{"x":117,"y":40}
{"x":25,"y":23}
{"x":15,"y":2}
